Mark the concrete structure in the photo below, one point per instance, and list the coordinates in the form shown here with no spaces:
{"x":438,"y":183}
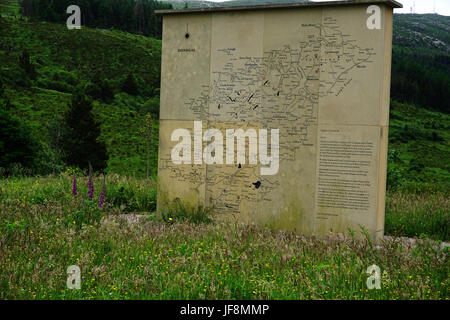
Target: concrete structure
{"x":318,"y":72}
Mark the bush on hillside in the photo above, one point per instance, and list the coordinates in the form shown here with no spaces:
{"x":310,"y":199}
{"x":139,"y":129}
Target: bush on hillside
{"x":18,"y":148}
{"x":26,"y":65}
{"x":100,"y":89}
{"x":129,"y":85}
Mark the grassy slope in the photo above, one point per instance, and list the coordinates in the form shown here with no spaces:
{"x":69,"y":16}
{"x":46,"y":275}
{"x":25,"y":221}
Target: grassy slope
{"x":65,"y":59}
{"x":419,"y":144}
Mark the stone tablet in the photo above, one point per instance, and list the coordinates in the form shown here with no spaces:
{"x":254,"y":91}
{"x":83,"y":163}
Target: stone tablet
{"x":278,"y":114}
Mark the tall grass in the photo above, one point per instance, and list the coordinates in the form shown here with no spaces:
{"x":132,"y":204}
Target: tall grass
{"x":151,"y":260}
{"x":418,"y":215}
{"x":180,"y":212}
{"x":125,"y":193}
{"x":44,"y":229}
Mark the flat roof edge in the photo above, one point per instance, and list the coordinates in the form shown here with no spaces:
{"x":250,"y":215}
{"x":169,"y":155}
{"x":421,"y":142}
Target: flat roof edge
{"x":390,"y":3}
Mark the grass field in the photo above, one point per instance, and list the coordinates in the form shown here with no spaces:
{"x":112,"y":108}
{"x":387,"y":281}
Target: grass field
{"x":44,"y":229}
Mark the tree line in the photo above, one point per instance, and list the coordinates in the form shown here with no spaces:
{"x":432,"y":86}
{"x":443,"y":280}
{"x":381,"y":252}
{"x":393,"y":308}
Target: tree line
{"x":421,"y":79}
{"x":134,"y":16}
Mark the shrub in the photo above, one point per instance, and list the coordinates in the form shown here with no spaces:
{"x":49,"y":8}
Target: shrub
{"x":152,"y":106}
{"x":26,"y":65}
{"x":64,"y":76}
{"x":18,"y":148}
{"x":48,"y":161}
{"x":2,"y":88}
{"x":99,"y":89}
{"x":55,"y":85}
{"x":129,"y":199}
{"x":87,"y":213}
{"x":129,"y":85}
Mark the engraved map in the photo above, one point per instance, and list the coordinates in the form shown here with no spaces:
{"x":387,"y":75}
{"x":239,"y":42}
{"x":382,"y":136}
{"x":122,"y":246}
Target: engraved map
{"x":280,"y":89}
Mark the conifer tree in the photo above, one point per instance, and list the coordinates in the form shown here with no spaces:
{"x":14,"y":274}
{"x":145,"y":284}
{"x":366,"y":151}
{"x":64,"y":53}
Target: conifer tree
{"x":80,"y":139}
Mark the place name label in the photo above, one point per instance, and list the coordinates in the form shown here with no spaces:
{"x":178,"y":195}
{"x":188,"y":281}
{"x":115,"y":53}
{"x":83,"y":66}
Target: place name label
{"x":186,"y":50}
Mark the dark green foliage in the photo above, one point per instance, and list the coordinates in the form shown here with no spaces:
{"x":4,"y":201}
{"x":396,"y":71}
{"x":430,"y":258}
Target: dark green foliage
{"x":106,"y":90}
{"x":128,"y":200}
{"x":17,"y":144}
{"x":26,"y":65}
{"x":129,"y":85}
{"x":54,"y":85}
{"x":100,"y":89}
{"x":152,"y":106}
{"x":136,"y":16}
{"x":416,"y":81}
{"x":59,"y":80}
{"x":2,"y":88}
{"x":123,"y":198}
{"x":48,"y":160}
{"x":80,"y":135}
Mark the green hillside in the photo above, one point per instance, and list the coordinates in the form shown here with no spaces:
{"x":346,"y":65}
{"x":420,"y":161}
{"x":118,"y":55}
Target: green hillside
{"x":68,"y":60}
{"x":419,"y":148}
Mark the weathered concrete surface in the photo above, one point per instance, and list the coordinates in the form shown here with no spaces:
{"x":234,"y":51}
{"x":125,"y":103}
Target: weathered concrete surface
{"x":314,"y":71}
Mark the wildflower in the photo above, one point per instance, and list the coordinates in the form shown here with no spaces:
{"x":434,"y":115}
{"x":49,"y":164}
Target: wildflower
{"x":74,"y":187}
{"x":90,"y":184}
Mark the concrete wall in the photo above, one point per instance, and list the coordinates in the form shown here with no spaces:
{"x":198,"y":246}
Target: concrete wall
{"x":317,"y":74}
